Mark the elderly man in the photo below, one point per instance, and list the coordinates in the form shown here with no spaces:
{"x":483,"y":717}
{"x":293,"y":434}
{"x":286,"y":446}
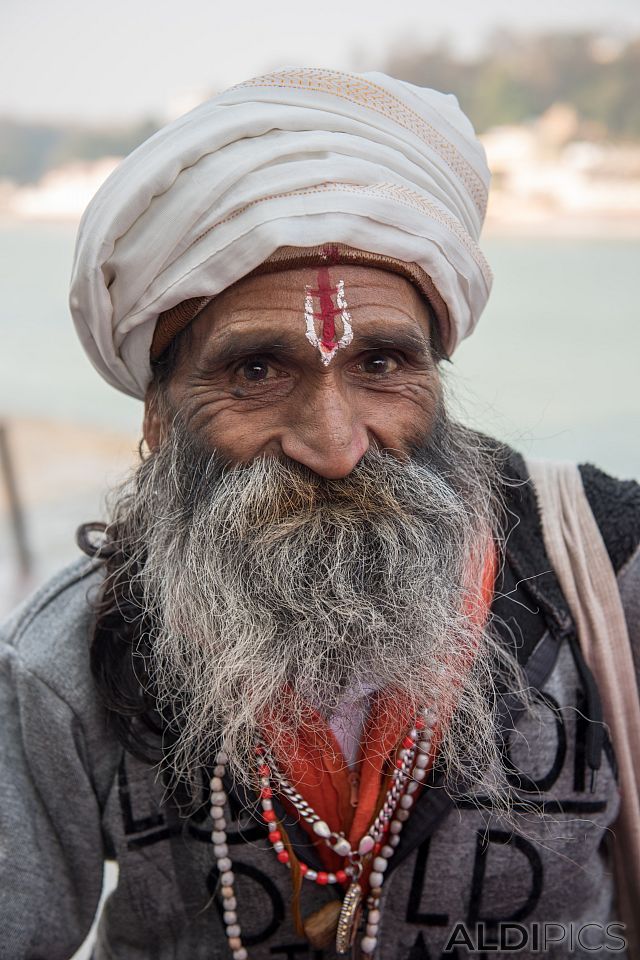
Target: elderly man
{"x":317,"y":691}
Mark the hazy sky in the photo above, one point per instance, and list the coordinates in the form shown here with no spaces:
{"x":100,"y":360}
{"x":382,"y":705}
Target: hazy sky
{"x":118,"y":59}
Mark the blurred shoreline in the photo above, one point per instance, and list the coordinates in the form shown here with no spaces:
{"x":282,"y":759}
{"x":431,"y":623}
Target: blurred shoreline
{"x":545,"y":181}
{"x":533,"y":222}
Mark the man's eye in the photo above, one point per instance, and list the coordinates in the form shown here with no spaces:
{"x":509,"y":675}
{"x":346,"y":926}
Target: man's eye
{"x":379,"y":364}
{"x":255,"y":370}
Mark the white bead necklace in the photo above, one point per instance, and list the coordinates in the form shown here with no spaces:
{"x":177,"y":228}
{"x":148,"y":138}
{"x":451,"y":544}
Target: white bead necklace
{"x":377,"y":845}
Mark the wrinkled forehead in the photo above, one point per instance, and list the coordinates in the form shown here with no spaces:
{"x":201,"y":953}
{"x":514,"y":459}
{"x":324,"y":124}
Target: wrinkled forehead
{"x":374,"y":298}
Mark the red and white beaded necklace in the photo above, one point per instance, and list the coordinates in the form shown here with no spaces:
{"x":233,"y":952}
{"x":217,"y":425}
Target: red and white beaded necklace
{"x":376,"y":847}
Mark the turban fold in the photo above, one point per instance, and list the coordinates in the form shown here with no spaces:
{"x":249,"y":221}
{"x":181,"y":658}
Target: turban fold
{"x":298,"y":158}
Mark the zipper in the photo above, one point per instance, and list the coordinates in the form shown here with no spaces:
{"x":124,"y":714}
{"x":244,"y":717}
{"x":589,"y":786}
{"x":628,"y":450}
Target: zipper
{"x":354,"y":785}
{"x":595,"y":732}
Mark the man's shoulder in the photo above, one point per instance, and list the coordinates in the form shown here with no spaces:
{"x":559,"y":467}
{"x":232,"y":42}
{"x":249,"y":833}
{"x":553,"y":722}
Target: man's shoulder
{"x":615,"y":505}
{"x":49,"y":633}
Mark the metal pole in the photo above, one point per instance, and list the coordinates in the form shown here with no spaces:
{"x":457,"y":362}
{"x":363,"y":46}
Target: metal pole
{"x":16,"y":514}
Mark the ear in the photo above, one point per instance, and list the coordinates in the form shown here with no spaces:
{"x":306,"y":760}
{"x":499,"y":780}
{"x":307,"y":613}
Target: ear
{"x":152,"y":424}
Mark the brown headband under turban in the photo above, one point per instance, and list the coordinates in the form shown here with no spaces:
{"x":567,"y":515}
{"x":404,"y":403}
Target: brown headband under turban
{"x":172,"y":321}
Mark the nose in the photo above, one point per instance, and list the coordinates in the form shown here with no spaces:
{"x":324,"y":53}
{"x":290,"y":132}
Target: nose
{"x":326,"y":435}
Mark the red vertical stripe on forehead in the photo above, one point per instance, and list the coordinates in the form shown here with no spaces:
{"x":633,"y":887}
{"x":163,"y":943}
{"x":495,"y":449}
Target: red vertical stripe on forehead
{"x":328,"y":309}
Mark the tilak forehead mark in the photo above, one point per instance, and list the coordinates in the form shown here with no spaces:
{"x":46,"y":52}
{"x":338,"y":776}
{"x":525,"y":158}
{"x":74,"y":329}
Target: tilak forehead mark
{"x":332,"y":305}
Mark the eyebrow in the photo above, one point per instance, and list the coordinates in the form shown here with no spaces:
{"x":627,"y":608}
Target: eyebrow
{"x":244,"y":345}
{"x":400,"y":340}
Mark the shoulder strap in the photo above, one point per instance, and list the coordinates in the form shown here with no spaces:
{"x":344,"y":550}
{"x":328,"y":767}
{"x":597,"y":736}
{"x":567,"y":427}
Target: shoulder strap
{"x":581,"y":563}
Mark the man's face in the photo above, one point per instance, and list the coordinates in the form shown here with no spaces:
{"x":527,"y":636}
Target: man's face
{"x":351,"y":546}
{"x":251,"y":380}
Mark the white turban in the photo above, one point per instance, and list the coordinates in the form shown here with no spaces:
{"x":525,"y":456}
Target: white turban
{"x":297,"y":158}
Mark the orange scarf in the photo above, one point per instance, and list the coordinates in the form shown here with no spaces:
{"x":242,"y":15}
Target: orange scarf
{"x":315,"y":766}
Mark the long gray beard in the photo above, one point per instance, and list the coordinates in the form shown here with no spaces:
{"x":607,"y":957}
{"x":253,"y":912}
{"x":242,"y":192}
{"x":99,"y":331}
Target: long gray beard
{"x":267,"y":578}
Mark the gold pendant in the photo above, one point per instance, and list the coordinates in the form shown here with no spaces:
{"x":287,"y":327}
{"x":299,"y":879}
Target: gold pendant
{"x":349,"y":918}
